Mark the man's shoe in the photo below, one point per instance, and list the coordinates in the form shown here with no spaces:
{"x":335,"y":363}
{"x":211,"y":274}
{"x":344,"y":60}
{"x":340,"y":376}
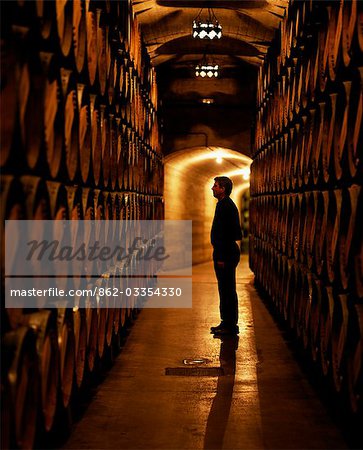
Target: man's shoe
{"x":218,"y":327}
{"x":226,"y":331}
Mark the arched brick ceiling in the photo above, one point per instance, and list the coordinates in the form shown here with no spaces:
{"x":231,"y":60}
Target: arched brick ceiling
{"x":248,"y":28}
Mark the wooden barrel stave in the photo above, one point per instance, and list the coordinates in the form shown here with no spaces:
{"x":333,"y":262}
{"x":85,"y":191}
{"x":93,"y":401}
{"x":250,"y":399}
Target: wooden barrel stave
{"x":348,"y":220}
{"x":79,"y":34}
{"x":96,"y":138}
{"x":64,"y":15}
{"x":326,"y":321}
{"x":21,"y":366}
{"x":66,"y":352}
{"x":91,"y":45}
{"x":85,"y":132}
{"x":332,"y":232}
{"x":339,"y":340}
{"x":327,"y":164}
{"x":355,"y":363}
{"x":355,"y":126}
{"x":341,"y":127}
{"x":71,"y":123}
{"x":8,"y":104}
{"x":348,"y":25}
{"x":45,"y":326}
{"x":80,"y":339}
{"x":53,"y":114}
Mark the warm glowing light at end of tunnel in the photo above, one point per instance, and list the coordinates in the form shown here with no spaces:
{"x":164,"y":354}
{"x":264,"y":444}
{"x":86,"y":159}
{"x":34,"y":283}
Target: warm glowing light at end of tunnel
{"x":219,"y":159}
{"x":245,"y":173}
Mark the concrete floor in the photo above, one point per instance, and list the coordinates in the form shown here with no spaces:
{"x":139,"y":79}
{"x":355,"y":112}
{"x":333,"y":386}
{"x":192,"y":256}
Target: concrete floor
{"x":262,"y":401}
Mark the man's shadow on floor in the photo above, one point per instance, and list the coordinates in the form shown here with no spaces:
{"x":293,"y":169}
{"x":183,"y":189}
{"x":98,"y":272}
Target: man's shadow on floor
{"x":219,"y":412}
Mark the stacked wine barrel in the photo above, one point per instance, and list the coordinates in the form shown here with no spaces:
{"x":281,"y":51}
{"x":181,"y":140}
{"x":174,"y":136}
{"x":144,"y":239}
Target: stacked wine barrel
{"x":79,"y":140}
{"x":306,"y":186}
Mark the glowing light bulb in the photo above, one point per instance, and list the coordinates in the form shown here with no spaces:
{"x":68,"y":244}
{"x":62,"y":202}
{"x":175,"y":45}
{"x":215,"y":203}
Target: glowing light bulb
{"x":245,"y":173}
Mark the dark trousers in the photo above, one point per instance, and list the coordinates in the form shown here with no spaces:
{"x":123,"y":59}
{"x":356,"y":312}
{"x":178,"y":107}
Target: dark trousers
{"x":228,"y":301}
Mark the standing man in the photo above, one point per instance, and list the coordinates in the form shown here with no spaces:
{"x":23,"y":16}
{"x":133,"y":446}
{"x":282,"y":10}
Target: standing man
{"x":226,"y":230}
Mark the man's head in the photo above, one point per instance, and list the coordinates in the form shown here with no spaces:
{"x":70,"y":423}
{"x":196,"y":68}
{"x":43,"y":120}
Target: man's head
{"x":222,"y":187}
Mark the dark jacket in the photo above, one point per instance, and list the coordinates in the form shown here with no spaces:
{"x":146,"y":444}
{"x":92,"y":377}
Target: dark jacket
{"x":226,"y":230}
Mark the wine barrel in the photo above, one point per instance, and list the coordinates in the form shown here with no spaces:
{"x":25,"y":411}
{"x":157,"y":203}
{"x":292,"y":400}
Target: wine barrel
{"x":334,"y":205}
{"x":341,"y":128}
{"x":64,"y":16}
{"x":302,"y":144}
{"x":305,"y":80}
{"x":314,"y":317}
{"x":321,"y":207}
{"x":339,"y":340}
{"x":110,"y":301}
{"x":102,"y":318}
{"x":31,"y":108}
{"x":84,"y":130}
{"x":59,"y":213}
{"x":113,"y":84}
{"x":291,"y":229}
{"x":89,"y":235}
{"x":74,"y":199}
{"x":96,"y":138}
{"x":105,"y":149}
{"x":92,"y":327}
{"x":8,"y":104}
{"x":121,"y":151}
{"x":53,"y":114}
{"x":312,"y":133}
{"x":113,"y":151}
{"x":311,"y":216}
{"x":323,"y":47}
{"x":348,"y":222}
{"x":312,"y":78}
{"x":355,"y":125}
{"x":80,"y":340}
{"x":58,"y":200}
{"x":327,"y":163}
{"x":37,"y":200}
{"x":335,"y":35}
{"x":66,"y":353}
{"x":326,"y":322}
{"x":11,"y":208}
{"x":7,"y":415}
{"x":45,"y":325}
{"x":348,"y":27}
{"x":360,"y":25}
{"x":318,"y":145}
{"x":20,"y":363}
{"x":71,"y":123}
{"x":305,"y":307}
{"x":355,"y":359}
{"x":46,"y":13}
{"x":91,"y":45}
{"x":357,"y":247}
{"x":289,"y":307}
{"x":79,"y":34}
{"x":297,"y":308}
{"x":103,"y":51}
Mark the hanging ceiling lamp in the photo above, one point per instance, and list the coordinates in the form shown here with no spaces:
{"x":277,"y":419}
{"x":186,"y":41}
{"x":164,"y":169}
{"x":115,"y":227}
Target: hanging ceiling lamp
{"x":208,"y":28}
{"x":206,"y":68}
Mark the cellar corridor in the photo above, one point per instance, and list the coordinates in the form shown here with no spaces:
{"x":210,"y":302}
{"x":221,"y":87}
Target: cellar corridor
{"x":116,"y":118}
{"x":261,"y":401}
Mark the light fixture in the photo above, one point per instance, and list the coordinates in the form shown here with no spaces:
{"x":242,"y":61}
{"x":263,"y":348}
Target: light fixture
{"x":207,"y":101}
{"x":208,"y":28}
{"x":206,"y":68}
{"x":245,"y":173}
{"x":219,"y":158}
